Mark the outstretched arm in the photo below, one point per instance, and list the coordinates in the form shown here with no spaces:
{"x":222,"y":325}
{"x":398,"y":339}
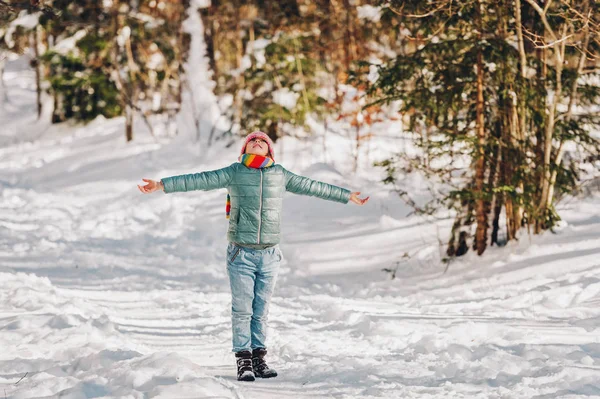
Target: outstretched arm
{"x":305,"y":186}
{"x":209,"y":180}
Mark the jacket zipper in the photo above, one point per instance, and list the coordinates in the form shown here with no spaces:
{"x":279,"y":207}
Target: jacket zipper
{"x":260,"y":207}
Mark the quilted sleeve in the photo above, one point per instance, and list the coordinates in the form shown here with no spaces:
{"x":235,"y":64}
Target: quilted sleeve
{"x":305,"y":186}
{"x":208,"y":180}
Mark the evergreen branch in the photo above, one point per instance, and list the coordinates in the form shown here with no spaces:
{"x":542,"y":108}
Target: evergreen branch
{"x":431,"y":13}
{"x":28,"y":5}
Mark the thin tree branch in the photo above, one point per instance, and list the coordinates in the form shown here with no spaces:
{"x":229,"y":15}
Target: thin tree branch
{"x":559,"y":41}
{"x":22,"y":378}
{"x":428,"y":14}
{"x":542,"y":14}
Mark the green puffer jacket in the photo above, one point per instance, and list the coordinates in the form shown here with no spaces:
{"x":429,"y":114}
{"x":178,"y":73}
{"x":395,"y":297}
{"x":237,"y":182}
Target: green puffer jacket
{"x":256,"y":197}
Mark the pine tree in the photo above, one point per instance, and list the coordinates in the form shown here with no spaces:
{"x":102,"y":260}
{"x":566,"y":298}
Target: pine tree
{"x":482,"y":100}
{"x":111,"y":58}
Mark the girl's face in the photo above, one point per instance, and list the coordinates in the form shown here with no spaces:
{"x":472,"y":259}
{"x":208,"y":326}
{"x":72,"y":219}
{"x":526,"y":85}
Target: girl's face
{"x":257,"y":146}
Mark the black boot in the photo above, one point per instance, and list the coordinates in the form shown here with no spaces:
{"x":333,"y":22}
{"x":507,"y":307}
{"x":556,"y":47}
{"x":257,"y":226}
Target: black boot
{"x":244,"y":366}
{"x":260,"y":365}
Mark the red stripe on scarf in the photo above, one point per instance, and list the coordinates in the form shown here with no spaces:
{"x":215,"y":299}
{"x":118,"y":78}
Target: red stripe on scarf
{"x":256,"y":162}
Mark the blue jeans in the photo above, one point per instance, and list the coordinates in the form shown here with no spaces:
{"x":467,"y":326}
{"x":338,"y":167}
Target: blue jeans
{"x":252,"y":276}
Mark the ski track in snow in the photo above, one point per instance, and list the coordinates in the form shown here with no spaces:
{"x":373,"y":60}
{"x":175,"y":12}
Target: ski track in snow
{"x":106,"y":292}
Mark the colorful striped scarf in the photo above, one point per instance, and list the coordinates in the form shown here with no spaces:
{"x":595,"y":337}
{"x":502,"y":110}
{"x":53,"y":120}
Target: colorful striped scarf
{"x":251,"y":161}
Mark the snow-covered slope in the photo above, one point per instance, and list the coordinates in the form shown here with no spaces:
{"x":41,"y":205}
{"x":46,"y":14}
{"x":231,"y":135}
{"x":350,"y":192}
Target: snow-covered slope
{"x":106,"y":292}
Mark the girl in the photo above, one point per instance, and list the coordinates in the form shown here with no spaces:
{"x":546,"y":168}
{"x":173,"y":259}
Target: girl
{"x":255,"y":187}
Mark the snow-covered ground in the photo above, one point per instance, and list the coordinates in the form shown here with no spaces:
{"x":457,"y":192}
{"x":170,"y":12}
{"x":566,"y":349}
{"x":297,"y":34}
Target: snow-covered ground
{"x":109,"y":293}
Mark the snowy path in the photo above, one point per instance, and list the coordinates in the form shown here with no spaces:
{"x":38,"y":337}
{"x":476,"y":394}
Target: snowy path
{"x":105,"y":292}
{"x":125,"y":294}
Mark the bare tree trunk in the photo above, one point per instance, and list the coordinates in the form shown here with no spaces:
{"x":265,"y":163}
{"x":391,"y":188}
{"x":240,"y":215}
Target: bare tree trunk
{"x":357,"y":149}
{"x":239,"y":101}
{"x":521,"y":116}
{"x":572,"y":100}
{"x":325,"y":128}
{"x":494,"y":172}
{"x":38,"y":78}
{"x":347,"y":35}
{"x":2,"y":84}
{"x":425,"y":137}
{"x":496,"y":218}
{"x":480,"y":207}
{"x":539,"y":146}
{"x":299,"y":66}
{"x":127,"y":90}
{"x":325,"y":28}
{"x":457,"y":245}
{"x":210,"y":38}
{"x":512,"y":154}
{"x":558,"y":46}
{"x":547,"y":149}
{"x":522,"y":55}
{"x":128,"y":123}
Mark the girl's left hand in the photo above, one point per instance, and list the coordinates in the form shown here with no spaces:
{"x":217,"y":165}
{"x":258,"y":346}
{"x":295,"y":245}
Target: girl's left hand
{"x":354,"y":198}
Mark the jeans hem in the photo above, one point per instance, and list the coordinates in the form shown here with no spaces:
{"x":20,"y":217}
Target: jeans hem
{"x":240,"y":350}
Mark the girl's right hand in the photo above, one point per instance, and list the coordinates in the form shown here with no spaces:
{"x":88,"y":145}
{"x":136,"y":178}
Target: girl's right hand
{"x":151,"y":186}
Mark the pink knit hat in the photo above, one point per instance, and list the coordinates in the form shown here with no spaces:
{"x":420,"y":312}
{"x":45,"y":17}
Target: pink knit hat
{"x":263,"y":136}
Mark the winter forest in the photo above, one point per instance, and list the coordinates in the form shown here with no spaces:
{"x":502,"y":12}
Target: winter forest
{"x":474,"y":127}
